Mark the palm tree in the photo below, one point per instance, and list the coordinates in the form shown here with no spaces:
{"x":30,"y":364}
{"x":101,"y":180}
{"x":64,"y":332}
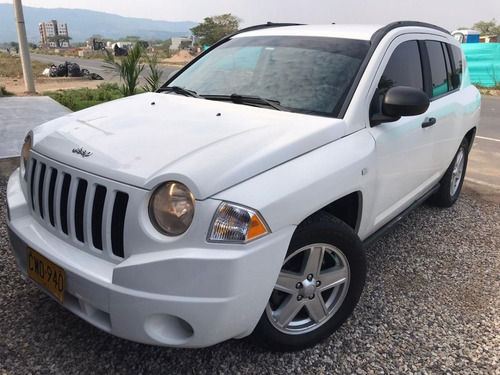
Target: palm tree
{"x":128,"y":69}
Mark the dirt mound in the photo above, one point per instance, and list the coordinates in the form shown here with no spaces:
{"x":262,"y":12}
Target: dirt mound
{"x":181,"y":57}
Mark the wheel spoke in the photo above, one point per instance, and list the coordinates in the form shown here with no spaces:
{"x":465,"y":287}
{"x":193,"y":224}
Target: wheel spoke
{"x":287,"y":281}
{"x":459,"y":159}
{"x":314,"y":261}
{"x":456,"y":175}
{"x":333,"y":277}
{"x":316,"y":308}
{"x":287,"y":311}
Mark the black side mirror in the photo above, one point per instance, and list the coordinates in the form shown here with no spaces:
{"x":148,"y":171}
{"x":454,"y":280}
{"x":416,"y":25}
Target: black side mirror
{"x":401,"y":101}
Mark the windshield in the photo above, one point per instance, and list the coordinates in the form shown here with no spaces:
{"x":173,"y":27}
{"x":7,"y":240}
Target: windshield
{"x":302,"y":74}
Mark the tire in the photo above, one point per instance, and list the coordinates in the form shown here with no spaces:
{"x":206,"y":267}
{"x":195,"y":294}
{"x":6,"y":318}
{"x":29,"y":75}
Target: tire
{"x":319,"y":285}
{"x":452,"y":181}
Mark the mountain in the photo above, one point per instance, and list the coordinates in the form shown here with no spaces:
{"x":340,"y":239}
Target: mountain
{"x":84,"y":23}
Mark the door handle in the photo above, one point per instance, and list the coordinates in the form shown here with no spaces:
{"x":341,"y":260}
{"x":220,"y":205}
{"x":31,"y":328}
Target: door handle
{"x":429,"y":122}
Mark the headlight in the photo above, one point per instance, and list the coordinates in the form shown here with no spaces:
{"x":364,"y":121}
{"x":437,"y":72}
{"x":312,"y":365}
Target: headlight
{"x":25,"y":153}
{"x":171,"y":208}
{"x":233,"y":223}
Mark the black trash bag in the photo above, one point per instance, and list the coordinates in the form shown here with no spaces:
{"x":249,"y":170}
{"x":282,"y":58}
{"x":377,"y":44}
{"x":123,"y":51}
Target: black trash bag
{"x":62,"y":70}
{"x":120,"y":51}
{"x":96,"y":76}
{"x":74,"y":70}
{"x":53,"y":71}
{"x":85,"y":72}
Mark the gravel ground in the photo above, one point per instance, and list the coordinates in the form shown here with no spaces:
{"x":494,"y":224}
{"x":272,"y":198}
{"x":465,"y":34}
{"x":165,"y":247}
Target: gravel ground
{"x":431,"y":306}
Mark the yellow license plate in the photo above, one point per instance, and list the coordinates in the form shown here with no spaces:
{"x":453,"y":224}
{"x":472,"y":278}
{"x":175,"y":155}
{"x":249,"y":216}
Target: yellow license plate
{"x":46,"y":273}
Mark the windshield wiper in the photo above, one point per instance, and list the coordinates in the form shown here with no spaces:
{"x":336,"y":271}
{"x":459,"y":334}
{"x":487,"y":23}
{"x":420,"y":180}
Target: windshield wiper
{"x":179,"y":90}
{"x":247,"y":99}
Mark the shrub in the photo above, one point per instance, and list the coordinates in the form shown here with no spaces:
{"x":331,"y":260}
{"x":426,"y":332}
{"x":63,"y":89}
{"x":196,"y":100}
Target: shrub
{"x":153,"y":80}
{"x":84,"y":98}
{"x":127,"y":68}
{"x":4,"y":92}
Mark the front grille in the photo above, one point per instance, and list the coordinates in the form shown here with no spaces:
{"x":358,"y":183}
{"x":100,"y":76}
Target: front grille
{"x":81,"y":211}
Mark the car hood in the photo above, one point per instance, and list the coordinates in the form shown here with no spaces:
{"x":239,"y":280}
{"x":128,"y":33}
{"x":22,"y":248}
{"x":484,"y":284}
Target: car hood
{"x":209,"y":146}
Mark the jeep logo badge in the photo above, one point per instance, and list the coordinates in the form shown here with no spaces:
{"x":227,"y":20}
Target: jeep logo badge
{"x":82,"y":151}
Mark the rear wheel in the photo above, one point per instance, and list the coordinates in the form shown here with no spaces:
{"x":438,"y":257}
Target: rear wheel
{"x":319,"y":285}
{"x":453,"y":179}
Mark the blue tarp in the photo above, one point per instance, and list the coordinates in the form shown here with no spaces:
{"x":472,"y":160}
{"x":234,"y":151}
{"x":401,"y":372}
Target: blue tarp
{"x":483,"y":60}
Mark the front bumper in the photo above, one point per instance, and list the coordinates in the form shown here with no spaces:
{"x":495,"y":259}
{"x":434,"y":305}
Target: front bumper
{"x":185,"y":297}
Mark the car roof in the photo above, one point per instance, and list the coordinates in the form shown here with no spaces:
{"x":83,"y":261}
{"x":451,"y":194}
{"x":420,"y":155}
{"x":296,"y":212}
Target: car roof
{"x":347,"y":31}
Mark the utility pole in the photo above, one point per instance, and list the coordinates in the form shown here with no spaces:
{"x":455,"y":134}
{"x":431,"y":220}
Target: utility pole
{"x":29,"y":82}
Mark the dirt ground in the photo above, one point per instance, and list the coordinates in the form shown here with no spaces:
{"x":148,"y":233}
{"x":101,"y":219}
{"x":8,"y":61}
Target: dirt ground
{"x":490,"y":92}
{"x":182,"y":57}
{"x":43,"y":84}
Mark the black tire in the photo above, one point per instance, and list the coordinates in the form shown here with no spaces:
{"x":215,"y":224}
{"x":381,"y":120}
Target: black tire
{"x":452,"y":181}
{"x":327,"y":245}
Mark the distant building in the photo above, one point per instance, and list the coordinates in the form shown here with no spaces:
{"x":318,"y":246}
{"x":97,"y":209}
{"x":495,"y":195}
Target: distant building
{"x":51,"y":29}
{"x":183,"y":43}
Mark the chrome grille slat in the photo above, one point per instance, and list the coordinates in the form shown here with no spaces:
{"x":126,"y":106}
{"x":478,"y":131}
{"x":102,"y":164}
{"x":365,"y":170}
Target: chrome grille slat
{"x":71,"y":207}
{"x":106,"y":222}
{"x":34,"y":192}
{"x":88,"y":215}
{"x":87,"y":221}
{"x":57,"y":201}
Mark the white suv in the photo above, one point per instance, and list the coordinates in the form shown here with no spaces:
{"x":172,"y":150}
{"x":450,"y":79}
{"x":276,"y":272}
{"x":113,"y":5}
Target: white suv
{"x":238,"y":198}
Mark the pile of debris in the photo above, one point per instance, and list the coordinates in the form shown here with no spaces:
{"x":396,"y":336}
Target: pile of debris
{"x":69,"y":69}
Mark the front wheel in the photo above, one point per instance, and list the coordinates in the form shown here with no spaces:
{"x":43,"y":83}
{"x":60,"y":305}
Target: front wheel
{"x":319,"y":285}
{"x":453,"y":179}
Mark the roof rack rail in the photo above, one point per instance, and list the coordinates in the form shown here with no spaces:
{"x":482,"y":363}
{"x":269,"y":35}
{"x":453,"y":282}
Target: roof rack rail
{"x":394,"y":25}
{"x":264,"y":26}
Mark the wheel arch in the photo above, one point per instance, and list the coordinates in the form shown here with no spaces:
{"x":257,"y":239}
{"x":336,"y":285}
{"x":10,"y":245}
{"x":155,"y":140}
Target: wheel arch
{"x":347,"y":209}
{"x":471,"y":135}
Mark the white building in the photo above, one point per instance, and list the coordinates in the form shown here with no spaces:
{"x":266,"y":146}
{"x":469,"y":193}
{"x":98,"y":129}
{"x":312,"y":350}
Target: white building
{"x":176,"y":42}
{"x":51,"y":29}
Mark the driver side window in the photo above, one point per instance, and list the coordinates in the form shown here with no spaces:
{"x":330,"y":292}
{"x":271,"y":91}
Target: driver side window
{"x":403,"y":69}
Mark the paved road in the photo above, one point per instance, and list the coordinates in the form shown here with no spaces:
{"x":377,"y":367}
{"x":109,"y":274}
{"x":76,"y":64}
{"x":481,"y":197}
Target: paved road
{"x":484,"y":162}
{"x":94,"y":66}
{"x":490,"y":117}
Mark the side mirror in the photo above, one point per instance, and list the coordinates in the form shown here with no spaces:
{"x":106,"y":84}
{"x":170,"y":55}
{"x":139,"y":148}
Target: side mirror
{"x":401,"y":101}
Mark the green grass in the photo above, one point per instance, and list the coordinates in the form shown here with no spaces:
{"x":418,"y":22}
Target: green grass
{"x":84,"y":98}
{"x":481,"y":87}
{"x":488,"y":90}
{"x":10,"y":66}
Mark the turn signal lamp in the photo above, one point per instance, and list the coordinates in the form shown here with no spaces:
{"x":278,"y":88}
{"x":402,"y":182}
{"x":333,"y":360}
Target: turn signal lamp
{"x":235,"y":224}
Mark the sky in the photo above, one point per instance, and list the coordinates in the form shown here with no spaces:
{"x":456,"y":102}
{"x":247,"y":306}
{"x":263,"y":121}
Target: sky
{"x":449,"y":14}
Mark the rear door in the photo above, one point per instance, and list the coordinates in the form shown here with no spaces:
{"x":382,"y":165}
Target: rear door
{"x":443,"y":70}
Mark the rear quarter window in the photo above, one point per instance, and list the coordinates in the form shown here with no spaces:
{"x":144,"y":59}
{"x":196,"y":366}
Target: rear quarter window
{"x":458,"y":66}
{"x":438,"y":68}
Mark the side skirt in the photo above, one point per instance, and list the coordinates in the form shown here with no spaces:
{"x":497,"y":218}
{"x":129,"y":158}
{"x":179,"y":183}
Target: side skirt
{"x":375,"y":236}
